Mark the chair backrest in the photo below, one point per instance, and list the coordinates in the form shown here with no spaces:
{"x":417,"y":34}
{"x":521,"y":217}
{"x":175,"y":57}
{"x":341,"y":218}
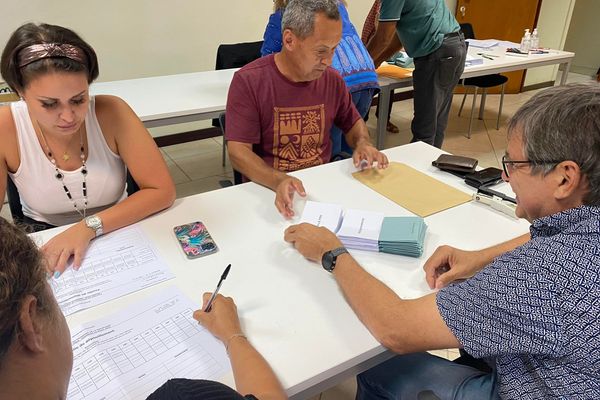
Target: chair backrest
{"x":237,"y":55}
{"x":467,"y":30}
{"x":132,"y":185}
{"x":237,"y":177}
{"x":14,"y":200}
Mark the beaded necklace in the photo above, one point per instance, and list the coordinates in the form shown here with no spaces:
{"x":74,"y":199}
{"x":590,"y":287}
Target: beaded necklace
{"x":60,"y":176}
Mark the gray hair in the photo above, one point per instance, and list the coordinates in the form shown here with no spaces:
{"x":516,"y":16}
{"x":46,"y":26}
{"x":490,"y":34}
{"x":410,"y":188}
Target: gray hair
{"x":299,"y":15}
{"x":563,"y":123}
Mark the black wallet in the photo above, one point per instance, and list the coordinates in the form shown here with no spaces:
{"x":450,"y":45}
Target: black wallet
{"x":450,"y":163}
{"x":486,"y":177}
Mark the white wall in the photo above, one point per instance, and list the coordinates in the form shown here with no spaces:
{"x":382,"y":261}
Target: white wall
{"x":584,"y":37}
{"x":138,"y":38}
{"x":553,"y":26}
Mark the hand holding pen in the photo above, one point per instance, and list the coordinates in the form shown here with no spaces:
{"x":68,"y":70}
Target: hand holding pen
{"x":219,"y":314}
{"x":212,"y":298}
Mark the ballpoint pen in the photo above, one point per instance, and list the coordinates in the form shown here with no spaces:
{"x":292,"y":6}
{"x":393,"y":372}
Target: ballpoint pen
{"x":214,"y":295}
{"x":488,"y":56}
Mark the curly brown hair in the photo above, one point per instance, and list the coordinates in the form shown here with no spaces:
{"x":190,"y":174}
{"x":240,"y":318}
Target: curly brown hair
{"x":22,"y":273}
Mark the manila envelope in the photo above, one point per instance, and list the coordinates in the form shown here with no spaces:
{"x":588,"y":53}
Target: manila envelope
{"x":413,"y":190}
{"x":393,"y":71}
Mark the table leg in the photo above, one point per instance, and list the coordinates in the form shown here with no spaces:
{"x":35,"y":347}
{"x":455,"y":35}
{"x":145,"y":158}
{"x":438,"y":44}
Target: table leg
{"x":565,"y":72}
{"x":482,"y":104}
{"x":384,"y":104}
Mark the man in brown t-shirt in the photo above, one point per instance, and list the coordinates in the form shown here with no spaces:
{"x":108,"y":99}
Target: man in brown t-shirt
{"x":280,"y":108}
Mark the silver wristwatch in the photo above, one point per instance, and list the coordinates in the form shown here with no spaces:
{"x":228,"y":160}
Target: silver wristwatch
{"x":94,"y":223}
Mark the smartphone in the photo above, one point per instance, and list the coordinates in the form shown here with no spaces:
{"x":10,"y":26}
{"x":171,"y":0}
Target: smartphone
{"x":195,"y":240}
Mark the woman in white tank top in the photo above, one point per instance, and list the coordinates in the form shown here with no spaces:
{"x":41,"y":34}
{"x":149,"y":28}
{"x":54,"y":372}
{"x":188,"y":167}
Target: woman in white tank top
{"x":66,"y":152}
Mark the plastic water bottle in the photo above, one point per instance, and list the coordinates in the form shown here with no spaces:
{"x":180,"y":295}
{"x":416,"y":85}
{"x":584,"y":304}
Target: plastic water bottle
{"x":526,"y":42}
{"x":535,"y":40}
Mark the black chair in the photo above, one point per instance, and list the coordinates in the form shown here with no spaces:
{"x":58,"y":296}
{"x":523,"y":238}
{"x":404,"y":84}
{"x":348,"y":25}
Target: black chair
{"x":237,"y":176}
{"x":16,"y":209}
{"x":485,"y":82}
{"x":235,"y":56}
{"x":14,"y":201}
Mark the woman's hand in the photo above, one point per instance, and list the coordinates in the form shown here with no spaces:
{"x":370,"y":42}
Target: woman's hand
{"x":222,"y":319}
{"x":72,"y":242}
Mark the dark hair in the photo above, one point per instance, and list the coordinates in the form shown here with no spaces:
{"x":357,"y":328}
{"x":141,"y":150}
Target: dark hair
{"x":30,"y":34}
{"x":22,"y":273}
{"x":562,"y":123}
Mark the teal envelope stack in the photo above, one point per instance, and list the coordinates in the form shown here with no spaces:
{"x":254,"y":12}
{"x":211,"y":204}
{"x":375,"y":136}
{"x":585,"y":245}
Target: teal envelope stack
{"x":403,"y":236}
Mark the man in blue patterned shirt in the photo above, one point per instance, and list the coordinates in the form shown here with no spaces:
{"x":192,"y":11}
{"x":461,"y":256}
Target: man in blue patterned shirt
{"x":530,"y":307}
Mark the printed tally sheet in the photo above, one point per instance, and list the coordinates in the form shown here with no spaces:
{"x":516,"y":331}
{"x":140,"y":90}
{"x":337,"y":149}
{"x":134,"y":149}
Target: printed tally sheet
{"x":116,"y":264}
{"x":133,"y":352}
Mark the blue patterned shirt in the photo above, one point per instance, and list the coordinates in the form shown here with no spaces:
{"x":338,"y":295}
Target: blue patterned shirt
{"x":535,"y":311}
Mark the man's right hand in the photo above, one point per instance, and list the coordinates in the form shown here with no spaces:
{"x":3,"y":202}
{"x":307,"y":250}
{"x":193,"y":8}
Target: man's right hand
{"x":284,"y":195}
{"x":448,"y":264}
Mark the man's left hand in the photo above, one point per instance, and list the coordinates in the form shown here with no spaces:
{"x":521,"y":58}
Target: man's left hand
{"x":311,"y":241}
{"x":366,"y":155}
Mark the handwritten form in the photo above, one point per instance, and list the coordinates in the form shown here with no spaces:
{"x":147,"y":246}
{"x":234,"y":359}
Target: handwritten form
{"x":132,"y":353}
{"x":116,"y":264}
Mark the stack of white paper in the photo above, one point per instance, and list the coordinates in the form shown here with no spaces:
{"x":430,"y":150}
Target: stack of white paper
{"x":482,"y":44}
{"x":360,"y":230}
{"x":473,"y":60}
{"x":322,"y":214}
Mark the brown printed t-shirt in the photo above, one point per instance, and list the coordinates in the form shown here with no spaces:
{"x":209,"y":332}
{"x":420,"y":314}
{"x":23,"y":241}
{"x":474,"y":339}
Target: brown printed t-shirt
{"x":287,"y":122}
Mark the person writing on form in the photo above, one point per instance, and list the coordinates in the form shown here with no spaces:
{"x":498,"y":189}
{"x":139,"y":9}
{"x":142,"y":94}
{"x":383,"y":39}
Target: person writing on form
{"x":36,"y":355}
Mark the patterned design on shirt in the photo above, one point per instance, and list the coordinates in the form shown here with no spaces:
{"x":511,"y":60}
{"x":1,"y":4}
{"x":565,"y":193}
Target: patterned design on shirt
{"x":534,"y":312}
{"x":371,"y":22}
{"x":298,"y":137}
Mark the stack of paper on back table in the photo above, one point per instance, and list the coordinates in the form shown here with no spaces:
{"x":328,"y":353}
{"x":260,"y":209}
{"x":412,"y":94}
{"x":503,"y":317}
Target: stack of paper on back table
{"x":402,"y":235}
{"x":360,"y":230}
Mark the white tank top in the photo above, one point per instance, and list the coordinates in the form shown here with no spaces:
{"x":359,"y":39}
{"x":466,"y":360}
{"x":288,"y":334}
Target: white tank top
{"x":42,"y":195}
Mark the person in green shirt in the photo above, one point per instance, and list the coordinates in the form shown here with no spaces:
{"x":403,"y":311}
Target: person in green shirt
{"x":431,"y":36}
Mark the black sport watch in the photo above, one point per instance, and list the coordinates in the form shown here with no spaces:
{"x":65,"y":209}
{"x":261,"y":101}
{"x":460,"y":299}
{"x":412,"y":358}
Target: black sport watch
{"x":330,"y":258}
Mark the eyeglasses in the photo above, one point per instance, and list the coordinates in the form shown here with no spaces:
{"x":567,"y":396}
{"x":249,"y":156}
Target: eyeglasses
{"x":506,"y":162}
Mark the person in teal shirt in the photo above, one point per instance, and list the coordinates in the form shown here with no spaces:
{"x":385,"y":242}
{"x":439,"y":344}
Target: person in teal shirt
{"x":431,"y":36}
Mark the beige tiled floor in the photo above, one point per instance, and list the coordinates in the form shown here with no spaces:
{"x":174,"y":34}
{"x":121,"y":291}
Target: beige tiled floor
{"x":196,"y":166}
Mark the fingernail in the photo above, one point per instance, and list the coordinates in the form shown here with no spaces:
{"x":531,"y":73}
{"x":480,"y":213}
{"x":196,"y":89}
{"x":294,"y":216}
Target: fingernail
{"x":56,"y":274}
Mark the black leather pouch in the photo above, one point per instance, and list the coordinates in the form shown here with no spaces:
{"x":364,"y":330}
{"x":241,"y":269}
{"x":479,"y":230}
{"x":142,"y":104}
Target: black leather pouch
{"x":448,"y":162}
{"x":486,"y":177}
